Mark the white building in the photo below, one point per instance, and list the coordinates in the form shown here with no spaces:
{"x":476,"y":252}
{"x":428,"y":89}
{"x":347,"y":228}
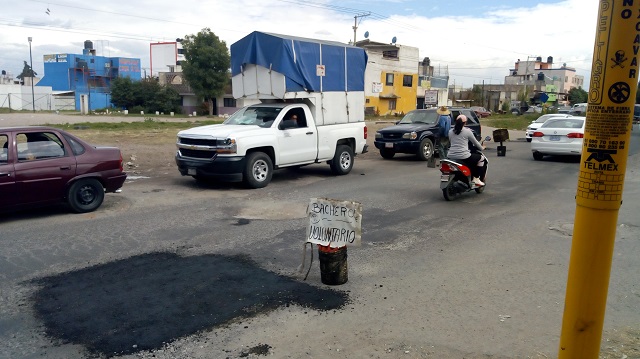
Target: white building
{"x":165,"y":57}
{"x":18,"y":97}
{"x":534,"y":71}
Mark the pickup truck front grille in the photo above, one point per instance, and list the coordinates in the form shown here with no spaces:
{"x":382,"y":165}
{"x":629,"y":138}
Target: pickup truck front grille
{"x":205,"y":155}
{"x":198,"y":141}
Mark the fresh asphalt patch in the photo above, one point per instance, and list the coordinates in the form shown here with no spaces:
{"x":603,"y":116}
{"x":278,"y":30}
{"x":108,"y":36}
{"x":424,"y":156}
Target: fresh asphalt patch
{"x":144,"y":302}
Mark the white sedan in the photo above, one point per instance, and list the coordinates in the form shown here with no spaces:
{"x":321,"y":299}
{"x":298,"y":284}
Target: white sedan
{"x":558,"y":136}
{"x":537,"y":123}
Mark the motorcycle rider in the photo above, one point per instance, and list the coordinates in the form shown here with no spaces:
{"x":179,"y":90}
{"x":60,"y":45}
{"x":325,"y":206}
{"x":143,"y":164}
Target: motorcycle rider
{"x":459,"y":138}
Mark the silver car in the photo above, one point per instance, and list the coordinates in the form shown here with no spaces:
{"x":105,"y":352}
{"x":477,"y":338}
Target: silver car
{"x":558,"y":136}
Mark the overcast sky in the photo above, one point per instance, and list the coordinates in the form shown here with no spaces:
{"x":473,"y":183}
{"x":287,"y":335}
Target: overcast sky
{"x":479,"y":40}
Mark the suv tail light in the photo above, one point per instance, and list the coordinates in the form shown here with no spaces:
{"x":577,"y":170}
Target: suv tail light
{"x":121,"y":166}
{"x":537,"y":134}
{"x":366,"y":132}
{"x":575,"y":135}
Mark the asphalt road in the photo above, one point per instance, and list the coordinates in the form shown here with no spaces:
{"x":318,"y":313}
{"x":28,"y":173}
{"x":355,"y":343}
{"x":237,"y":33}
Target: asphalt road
{"x":173,"y":268}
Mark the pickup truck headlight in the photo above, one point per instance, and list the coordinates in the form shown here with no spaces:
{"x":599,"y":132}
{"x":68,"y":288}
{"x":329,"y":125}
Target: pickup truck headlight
{"x":227,"y":145}
{"x":411,"y":135}
{"x":378,"y":135}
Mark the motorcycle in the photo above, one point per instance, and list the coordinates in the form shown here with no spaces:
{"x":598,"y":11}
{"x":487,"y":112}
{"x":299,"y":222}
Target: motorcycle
{"x":456,"y":177}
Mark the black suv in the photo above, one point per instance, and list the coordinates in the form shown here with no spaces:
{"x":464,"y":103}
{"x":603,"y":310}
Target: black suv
{"x":417,"y":132}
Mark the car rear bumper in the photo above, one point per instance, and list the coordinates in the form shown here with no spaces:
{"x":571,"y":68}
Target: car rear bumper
{"x":557,"y":148}
{"x":114,"y":183}
{"x":224,"y":168}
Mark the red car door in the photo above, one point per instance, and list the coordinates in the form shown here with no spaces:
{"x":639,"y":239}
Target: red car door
{"x":8,"y":194}
{"x":44,"y":165}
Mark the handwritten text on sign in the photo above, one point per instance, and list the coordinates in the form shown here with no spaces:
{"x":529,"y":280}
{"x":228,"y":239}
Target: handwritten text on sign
{"x":334,"y":223}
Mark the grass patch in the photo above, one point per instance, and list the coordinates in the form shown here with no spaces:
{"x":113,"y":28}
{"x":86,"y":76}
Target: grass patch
{"x":146,"y":125}
{"x":510,"y":122}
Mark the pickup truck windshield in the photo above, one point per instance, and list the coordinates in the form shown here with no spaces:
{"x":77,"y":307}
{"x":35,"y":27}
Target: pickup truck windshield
{"x":254,"y":116}
{"x":429,"y":117}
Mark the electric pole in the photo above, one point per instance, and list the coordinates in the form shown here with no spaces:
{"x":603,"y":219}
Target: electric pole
{"x":355,"y":24}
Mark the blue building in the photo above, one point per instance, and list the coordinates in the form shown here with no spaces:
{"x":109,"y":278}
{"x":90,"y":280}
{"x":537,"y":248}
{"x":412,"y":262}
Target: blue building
{"x":87,"y":76}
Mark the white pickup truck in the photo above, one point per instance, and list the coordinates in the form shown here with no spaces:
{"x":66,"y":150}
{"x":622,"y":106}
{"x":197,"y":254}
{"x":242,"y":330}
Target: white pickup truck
{"x":319,"y":82}
{"x":258,"y":139}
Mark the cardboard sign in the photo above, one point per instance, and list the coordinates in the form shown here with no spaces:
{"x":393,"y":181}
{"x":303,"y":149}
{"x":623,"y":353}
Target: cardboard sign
{"x":334,"y":223}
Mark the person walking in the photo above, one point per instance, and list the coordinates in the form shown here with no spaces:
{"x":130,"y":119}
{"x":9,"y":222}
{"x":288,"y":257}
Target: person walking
{"x":444,"y":125}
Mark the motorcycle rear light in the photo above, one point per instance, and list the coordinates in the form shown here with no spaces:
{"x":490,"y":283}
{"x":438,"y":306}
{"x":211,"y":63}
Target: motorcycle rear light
{"x":445,"y":167}
{"x":575,"y":135}
{"x":537,"y":134}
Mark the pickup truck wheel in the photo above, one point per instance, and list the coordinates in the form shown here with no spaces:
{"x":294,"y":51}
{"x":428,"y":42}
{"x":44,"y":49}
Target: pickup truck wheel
{"x":425,"y":151}
{"x":342,"y":162}
{"x":258,"y":170}
{"x":387,"y":154}
{"x":85,"y":195}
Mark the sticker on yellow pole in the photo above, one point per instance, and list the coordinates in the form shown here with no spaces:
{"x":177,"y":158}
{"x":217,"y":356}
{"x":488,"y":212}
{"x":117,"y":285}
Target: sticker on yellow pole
{"x":611,"y":100}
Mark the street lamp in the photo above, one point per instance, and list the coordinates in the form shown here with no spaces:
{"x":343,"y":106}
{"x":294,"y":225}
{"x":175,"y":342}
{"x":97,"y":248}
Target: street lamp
{"x":33,"y":96}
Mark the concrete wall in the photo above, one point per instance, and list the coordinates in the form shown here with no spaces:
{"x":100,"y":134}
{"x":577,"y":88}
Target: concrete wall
{"x":19,"y":98}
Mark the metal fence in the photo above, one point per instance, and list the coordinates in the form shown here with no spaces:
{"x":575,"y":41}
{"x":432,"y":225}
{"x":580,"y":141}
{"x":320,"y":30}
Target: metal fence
{"x":39,"y":102}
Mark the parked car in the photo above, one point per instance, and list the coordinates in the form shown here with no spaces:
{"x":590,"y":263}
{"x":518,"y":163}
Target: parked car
{"x":534,"y":109}
{"x":481,"y":111}
{"x":538,"y":122}
{"x":559,"y":136}
{"x":579,"y":109}
{"x":43,"y":165}
{"x":636,"y":114}
{"x":417,"y":132}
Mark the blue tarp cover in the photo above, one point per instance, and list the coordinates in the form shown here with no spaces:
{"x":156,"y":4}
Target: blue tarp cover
{"x":296,"y":58}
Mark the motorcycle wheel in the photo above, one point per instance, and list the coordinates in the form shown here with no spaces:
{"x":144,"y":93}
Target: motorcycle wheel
{"x":449,"y":193}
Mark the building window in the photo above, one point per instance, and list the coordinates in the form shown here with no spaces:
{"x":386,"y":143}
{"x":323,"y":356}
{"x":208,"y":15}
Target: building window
{"x":407,"y":80}
{"x":392,"y":54}
{"x":367,"y":101}
{"x":392,"y":104}
{"x":181,"y":51}
{"x":389,"y":81}
{"x":229,"y":102}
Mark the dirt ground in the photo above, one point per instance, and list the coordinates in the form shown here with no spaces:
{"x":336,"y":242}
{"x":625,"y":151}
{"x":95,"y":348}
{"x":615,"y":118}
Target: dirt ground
{"x":151,"y":153}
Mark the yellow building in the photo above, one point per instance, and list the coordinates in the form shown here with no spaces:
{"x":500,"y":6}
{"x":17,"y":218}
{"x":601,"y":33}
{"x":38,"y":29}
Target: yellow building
{"x":391,"y":78}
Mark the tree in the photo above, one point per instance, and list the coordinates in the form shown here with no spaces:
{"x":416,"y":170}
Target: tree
{"x":476,"y":95}
{"x":27,"y":71}
{"x":122,"y":92}
{"x":578,"y":95}
{"x":206,"y":68}
{"x":147,"y":95}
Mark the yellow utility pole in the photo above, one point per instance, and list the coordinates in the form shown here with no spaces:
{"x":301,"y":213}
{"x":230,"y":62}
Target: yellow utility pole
{"x":612,"y":93}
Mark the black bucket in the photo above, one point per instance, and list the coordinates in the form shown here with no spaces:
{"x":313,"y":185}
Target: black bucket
{"x":502,"y":150}
{"x":333,"y":266}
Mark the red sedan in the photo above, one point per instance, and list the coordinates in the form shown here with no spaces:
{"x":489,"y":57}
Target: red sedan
{"x":43,"y":165}
{"x":481,"y":111}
